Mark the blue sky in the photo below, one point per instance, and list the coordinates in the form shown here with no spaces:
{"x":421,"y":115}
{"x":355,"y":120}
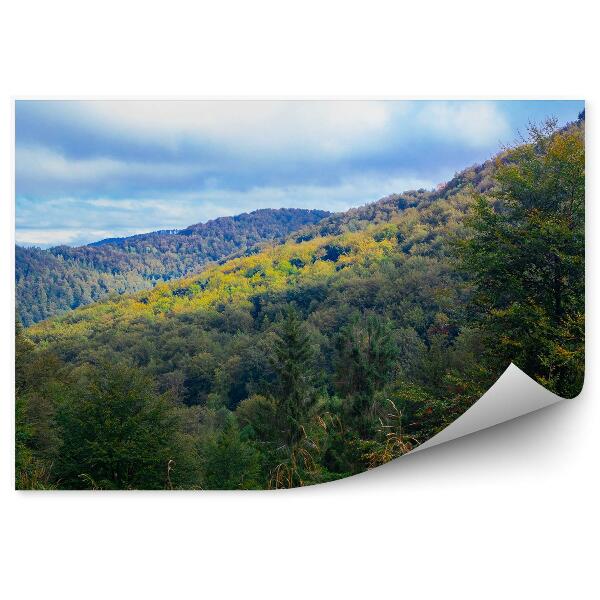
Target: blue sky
{"x":86,"y":170}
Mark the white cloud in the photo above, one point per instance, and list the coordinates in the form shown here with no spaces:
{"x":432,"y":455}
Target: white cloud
{"x":474,"y":123}
{"x":40,"y":166}
{"x":43,"y":163}
{"x":328,"y":127}
{"x":246,"y":139}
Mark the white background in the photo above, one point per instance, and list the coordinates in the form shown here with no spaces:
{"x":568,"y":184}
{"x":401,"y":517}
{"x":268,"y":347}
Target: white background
{"x":508,"y":513}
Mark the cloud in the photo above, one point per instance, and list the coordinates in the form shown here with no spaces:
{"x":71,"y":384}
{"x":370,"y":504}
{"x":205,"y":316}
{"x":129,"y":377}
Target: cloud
{"x":327,"y":127}
{"x":241,"y":144}
{"x":48,"y":165}
{"x":474,"y":123}
{"x":45,"y":164}
{"x":42,"y":170}
{"x":232,"y":127}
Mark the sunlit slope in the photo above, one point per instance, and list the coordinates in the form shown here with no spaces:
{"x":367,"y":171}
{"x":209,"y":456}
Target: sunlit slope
{"x":415,"y":238}
{"x":51,"y":282}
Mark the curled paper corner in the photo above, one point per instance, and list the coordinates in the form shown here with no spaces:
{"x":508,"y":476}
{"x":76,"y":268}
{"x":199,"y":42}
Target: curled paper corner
{"x":514,"y":394}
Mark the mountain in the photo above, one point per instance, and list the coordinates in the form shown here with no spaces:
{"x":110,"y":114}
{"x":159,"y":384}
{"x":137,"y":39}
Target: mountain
{"x":305,"y":360}
{"x":50,"y":282}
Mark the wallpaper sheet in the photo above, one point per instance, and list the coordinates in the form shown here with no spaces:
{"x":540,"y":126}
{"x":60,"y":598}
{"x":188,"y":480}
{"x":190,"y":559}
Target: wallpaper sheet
{"x":268,"y":294}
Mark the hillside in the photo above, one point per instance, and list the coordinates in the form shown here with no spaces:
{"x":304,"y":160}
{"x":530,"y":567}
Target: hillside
{"x":50,"y":282}
{"x":301,"y":362}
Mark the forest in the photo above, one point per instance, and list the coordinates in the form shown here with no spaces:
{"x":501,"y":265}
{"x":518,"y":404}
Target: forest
{"x":313,"y":348}
{"x":51,"y":282}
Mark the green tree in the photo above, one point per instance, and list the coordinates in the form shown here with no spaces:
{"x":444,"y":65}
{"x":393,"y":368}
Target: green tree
{"x":118,"y":434}
{"x":293,"y":358}
{"x":229,"y":461}
{"x":259,"y":415}
{"x":39,"y":381}
{"x":526,"y":255}
{"x":367,"y":356}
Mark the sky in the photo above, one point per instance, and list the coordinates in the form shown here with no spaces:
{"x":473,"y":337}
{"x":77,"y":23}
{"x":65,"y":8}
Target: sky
{"x":87,"y":170}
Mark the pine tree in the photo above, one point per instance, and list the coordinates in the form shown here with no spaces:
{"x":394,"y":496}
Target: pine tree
{"x":293,"y":362}
{"x":366,"y":360}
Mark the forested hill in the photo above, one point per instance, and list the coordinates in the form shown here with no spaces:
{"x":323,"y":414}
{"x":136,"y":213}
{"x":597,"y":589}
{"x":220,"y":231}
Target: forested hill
{"x":50,"y":282}
{"x":355,"y":340}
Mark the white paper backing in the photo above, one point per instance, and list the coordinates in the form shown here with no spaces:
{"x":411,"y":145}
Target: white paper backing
{"x":514,"y":394}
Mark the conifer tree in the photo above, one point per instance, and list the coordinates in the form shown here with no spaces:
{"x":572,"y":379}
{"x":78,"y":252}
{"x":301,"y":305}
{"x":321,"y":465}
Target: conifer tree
{"x":293,"y":362}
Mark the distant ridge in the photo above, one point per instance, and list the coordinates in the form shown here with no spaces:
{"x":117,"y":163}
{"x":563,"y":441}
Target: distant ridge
{"x":118,"y":240}
{"x":51,"y":282}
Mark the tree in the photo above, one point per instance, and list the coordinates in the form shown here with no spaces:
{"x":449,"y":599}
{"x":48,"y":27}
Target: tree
{"x":366,"y":361}
{"x":118,"y":434}
{"x":258,"y":414}
{"x":293,"y":361}
{"x":526,"y":256}
{"x":39,"y":381}
{"x":230,"y":462}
